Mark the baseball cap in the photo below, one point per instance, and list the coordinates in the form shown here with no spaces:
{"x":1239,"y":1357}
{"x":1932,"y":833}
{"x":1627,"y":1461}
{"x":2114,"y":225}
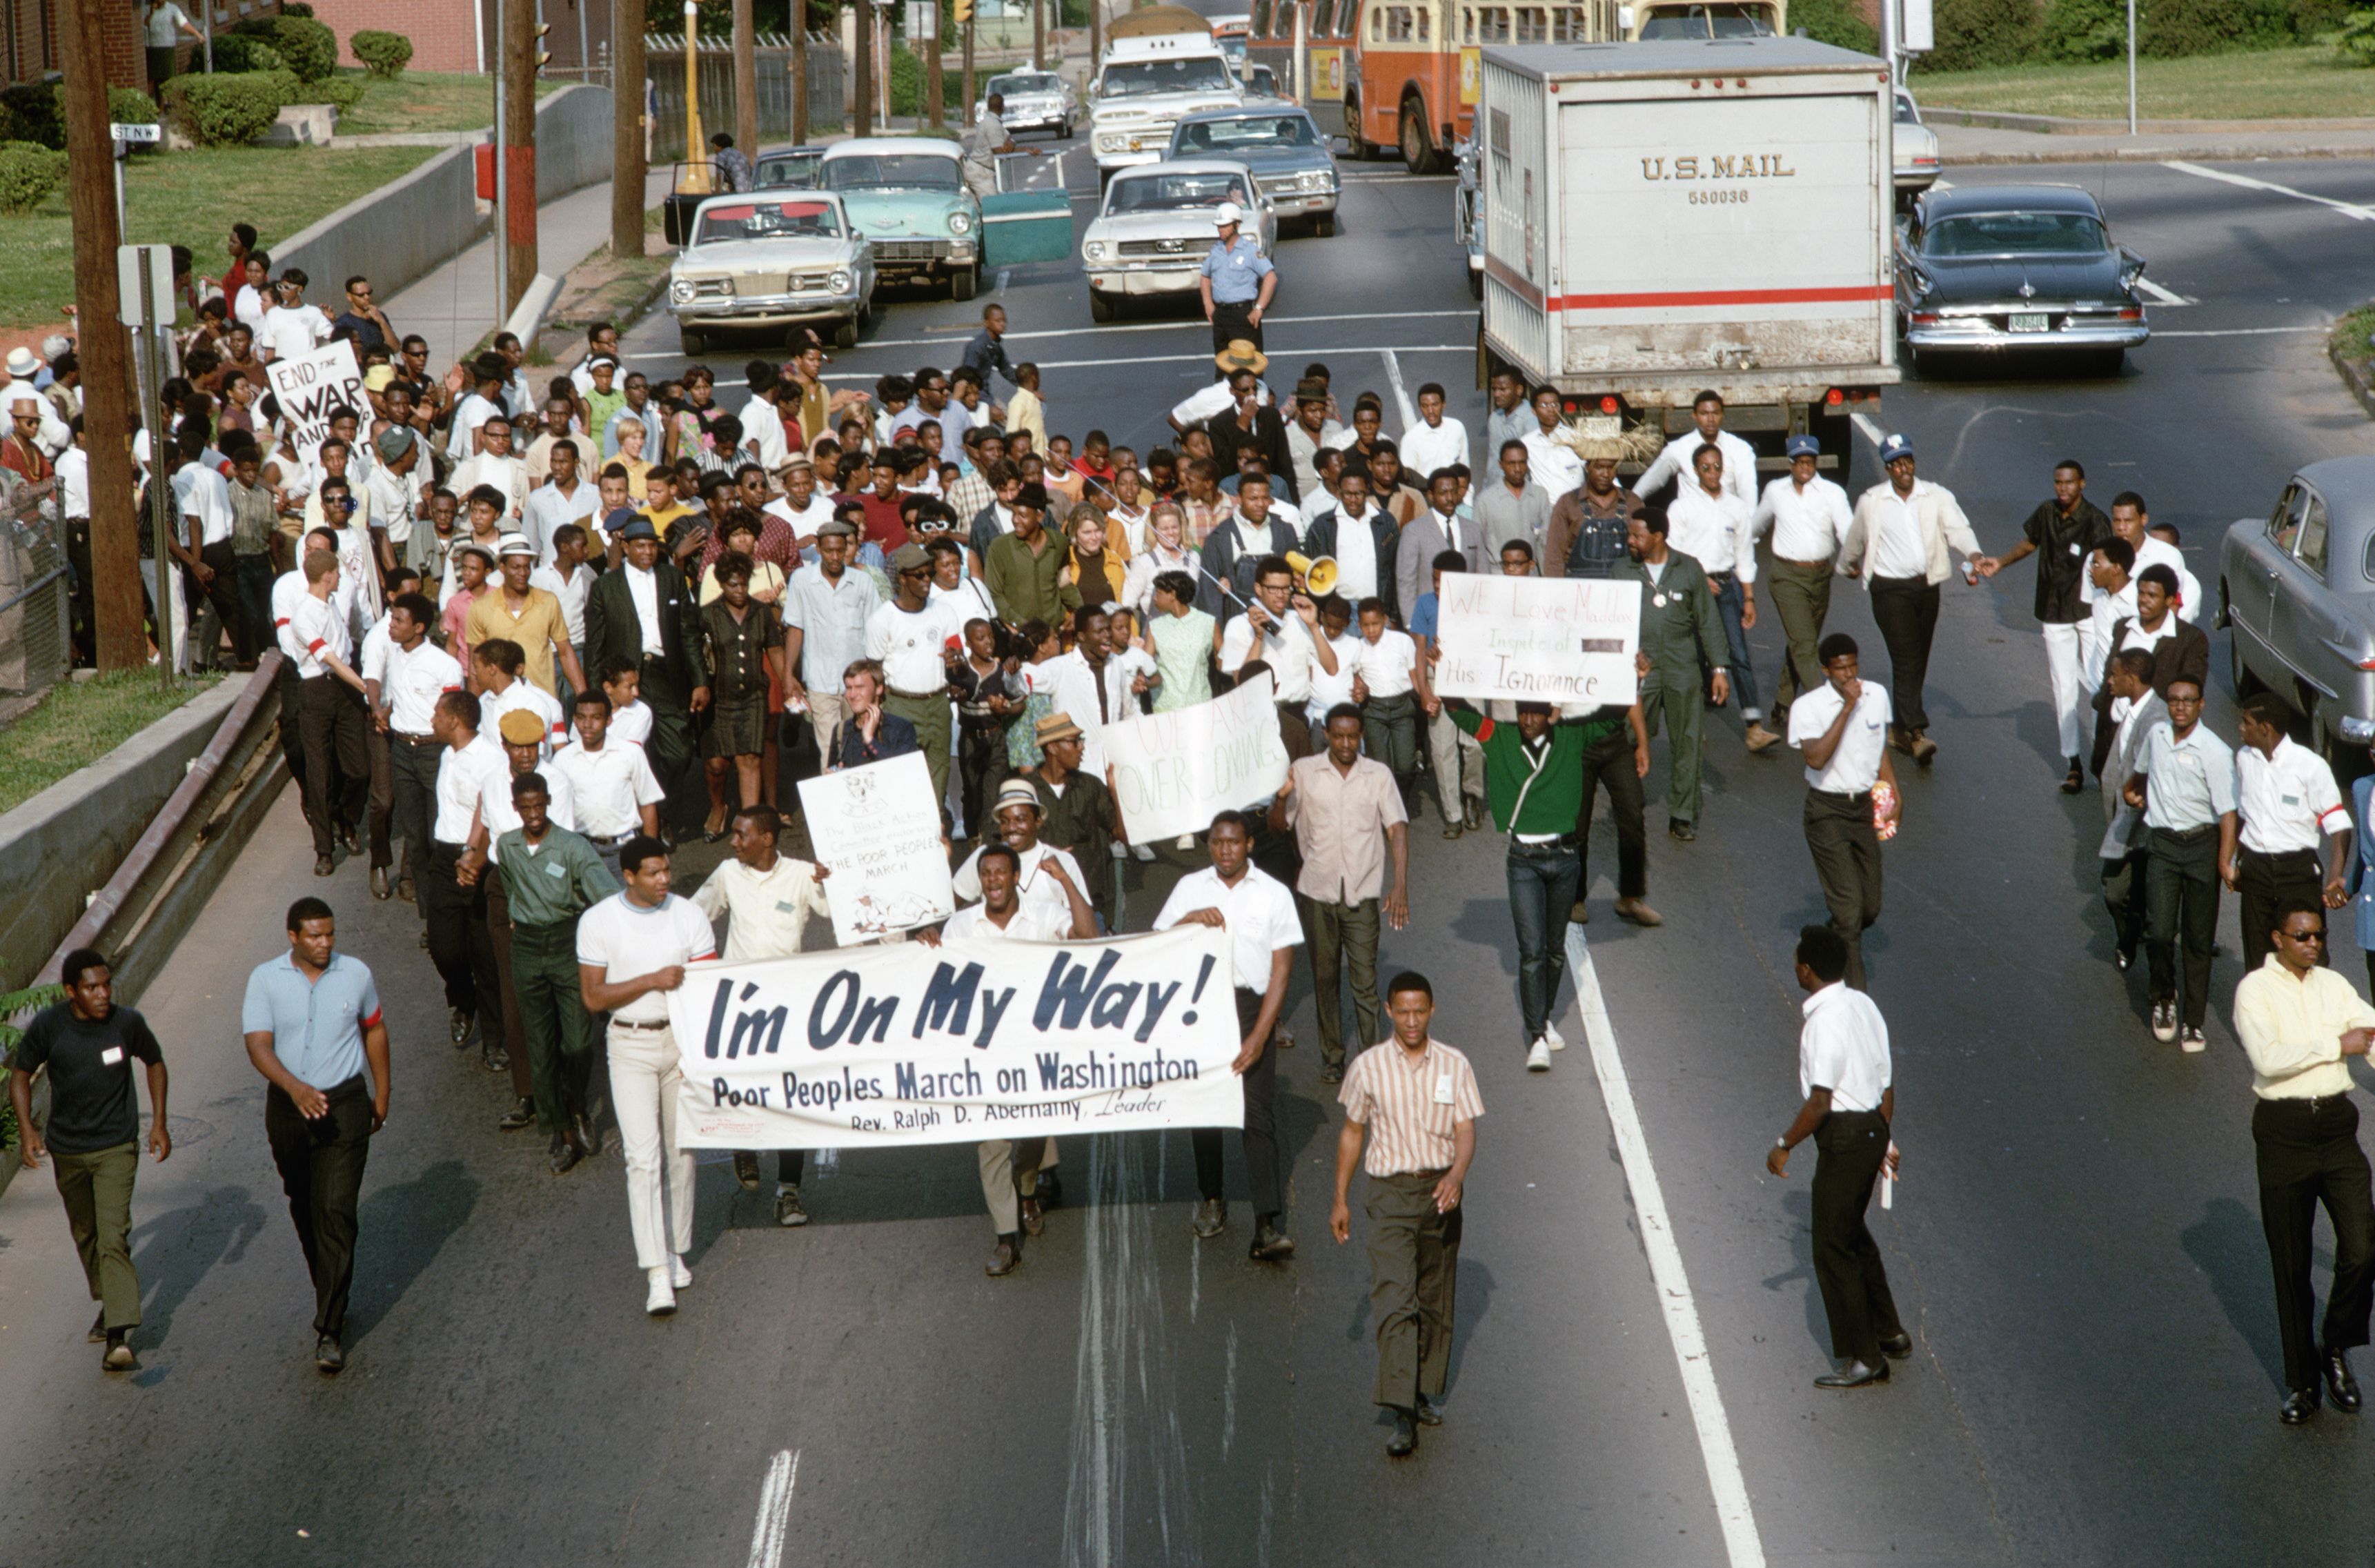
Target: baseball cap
{"x":640,"y":528}
{"x":1897,"y":445}
{"x":1802,"y":446}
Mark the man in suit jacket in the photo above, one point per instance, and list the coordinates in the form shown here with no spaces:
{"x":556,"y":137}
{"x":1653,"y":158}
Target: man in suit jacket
{"x":2123,"y":852}
{"x":2176,"y":649}
{"x":1679,"y":631}
{"x":1897,"y":544}
{"x":1438,"y":528}
{"x":1234,"y":547}
{"x":618,"y":609}
{"x":1252,"y":423}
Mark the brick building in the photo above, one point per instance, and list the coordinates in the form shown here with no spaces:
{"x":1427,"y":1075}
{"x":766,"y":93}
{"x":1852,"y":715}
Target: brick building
{"x":460,"y":35}
{"x":30,"y":45}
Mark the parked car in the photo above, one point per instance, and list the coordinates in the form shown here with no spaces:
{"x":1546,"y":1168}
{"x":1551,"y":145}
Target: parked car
{"x":789,"y":169}
{"x":2019,"y":268}
{"x":906,"y":196}
{"x":1035,"y":100}
{"x":1917,"y":149}
{"x":1155,"y":227}
{"x":763,"y":262}
{"x":1281,"y":144}
{"x":2296,"y":596}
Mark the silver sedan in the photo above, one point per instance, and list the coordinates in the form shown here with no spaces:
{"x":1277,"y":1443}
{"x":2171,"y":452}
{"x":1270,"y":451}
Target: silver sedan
{"x":2296,"y":596}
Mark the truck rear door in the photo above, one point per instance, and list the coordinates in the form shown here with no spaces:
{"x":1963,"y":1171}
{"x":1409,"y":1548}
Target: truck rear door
{"x":1516,"y":177}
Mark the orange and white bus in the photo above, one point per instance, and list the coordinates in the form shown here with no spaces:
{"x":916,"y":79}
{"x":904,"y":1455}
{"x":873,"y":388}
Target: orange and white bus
{"x":1402,"y":74}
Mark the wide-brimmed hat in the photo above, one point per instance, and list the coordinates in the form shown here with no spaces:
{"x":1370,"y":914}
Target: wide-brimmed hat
{"x":1054,"y":728}
{"x":1016,"y":791}
{"x":1241,"y":355}
{"x":1226,"y":214}
{"x":24,"y":362}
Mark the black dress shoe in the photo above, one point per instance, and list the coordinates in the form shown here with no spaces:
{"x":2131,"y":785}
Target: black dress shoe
{"x":1211,"y":1214}
{"x":1050,"y":1190}
{"x":1405,"y":1438}
{"x":2298,"y":1406}
{"x":353,"y":838}
{"x":1270,"y":1246}
{"x":323,"y":865}
{"x":1002,"y":1258}
{"x":746,"y":1169}
{"x":380,"y":890}
{"x":1682,"y":832}
{"x":1897,"y":1347}
{"x":521,"y":1114}
{"x":1855,"y":1374}
{"x":457,"y":1025}
{"x":2340,"y":1386}
{"x":1035,"y":1217}
{"x":564,"y":1154}
{"x":1429,"y":1412}
{"x":1331,"y":1072}
{"x":329,"y":1356}
{"x":589,"y":1137}
{"x":498,"y":1060}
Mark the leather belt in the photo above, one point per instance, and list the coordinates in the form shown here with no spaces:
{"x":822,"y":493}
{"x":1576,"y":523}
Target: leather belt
{"x":1803,"y":565}
{"x":411,"y":740}
{"x":940,"y":690}
{"x":630,"y":1023}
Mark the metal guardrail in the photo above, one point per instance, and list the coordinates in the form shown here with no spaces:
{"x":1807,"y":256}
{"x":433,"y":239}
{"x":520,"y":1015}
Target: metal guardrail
{"x":36,"y":602}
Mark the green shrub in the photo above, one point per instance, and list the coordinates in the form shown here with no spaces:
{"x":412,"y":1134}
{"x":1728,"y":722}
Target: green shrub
{"x":237,"y":52}
{"x":344,"y":92}
{"x":2357,"y":39}
{"x":1975,"y":33}
{"x":384,"y":55}
{"x":36,"y":114}
{"x":296,"y":9}
{"x":2171,"y":28}
{"x":2077,"y":31}
{"x":907,"y":84}
{"x":306,"y":46}
{"x":2314,"y":19}
{"x":129,"y":106}
{"x":229,"y":110}
{"x":1834,"y":22}
{"x":27,"y":173}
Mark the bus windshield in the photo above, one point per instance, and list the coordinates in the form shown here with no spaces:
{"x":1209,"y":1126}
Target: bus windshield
{"x":1718,"y":20}
{"x":1141,"y":79}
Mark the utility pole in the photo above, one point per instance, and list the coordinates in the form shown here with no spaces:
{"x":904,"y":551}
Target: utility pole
{"x":934,"y":93}
{"x":1038,"y":35}
{"x":102,"y":349}
{"x":1097,"y":30}
{"x":626,"y":126}
{"x":800,"y":72}
{"x":524,"y":57}
{"x":861,"y":108}
{"x":746,"y":82}
{"x":964,"y":19}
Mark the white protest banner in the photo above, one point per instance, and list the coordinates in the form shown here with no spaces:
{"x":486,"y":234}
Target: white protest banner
{"x":1172,"y":773}
{"x":878,"y":830}
{"x":971,"y":1039}
{"x":1537,"y":638}
{"x":310,"y":385}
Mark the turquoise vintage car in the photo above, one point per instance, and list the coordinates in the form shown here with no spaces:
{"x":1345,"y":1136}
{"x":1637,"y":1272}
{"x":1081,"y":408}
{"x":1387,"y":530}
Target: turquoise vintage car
{"x":906,"y":196}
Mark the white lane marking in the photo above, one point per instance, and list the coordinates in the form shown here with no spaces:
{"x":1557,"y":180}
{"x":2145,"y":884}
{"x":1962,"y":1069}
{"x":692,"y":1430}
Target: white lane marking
{"x":1268,"y":321}
{"x":1870,"y":427}
{"x":2243,"y":332}
{"x":1467,"y":349}
{"x":2347,"y":210}
{"x":774,"y":1510}
{"x":2166,"y":296}
{"x":1404,"y":179}
{"x":1401,"y":398}
{"x":1733,"y":1512}
{"x":1003,"y":274}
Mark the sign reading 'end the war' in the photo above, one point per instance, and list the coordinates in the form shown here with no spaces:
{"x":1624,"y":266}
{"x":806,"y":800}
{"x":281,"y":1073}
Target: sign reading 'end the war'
{"x":1537,"y":638}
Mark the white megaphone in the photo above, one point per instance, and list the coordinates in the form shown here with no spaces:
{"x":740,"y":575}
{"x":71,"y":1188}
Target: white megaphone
{"x":1318,"y":574}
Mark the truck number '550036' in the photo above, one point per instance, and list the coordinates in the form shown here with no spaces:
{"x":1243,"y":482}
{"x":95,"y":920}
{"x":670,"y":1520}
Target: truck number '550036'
{"x":1741,"y":166}
{"x":1718,"y":198}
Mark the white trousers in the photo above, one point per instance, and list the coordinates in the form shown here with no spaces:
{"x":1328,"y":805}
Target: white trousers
{"x":2064,"y":665}
{"x":173,"y":643}
{"x":644,"y":1078}
{"x":1459,"y":761}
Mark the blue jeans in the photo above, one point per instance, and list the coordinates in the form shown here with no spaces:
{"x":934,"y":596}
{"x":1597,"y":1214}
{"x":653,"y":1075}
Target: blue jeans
{"x":1543,"y":884}
{"x":1735,"y":637}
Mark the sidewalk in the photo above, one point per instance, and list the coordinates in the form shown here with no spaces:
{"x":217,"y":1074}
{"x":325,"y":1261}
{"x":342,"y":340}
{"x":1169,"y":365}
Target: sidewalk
{"x":1976,"y":144}
{"x":455,"y":306}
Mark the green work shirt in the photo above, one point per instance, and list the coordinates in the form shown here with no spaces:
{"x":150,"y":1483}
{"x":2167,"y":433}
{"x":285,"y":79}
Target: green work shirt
{"x":554,"y":882}
{"x":1679,"y":629}
{"x":1024,"y":586}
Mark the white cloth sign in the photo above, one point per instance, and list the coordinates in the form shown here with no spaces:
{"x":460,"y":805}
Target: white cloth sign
{"x":878,"y":830}
{"x":905,"y":1043}
{"x":1172,"y":773}
{"x":310,"y":385}
{"x":1537,"y":638}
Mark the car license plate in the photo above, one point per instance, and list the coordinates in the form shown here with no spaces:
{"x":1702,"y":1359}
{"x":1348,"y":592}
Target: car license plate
{"x":2028,"y":320}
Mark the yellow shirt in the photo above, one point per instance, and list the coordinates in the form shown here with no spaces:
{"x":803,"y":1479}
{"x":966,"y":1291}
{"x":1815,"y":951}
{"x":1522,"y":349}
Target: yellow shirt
{"x":2292,"y":1030}
{"x":663,"y":521}
{"x":1025,"y":412}
{"x":536,"y":626}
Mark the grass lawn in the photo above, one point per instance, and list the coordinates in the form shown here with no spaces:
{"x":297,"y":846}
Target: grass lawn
{"x":2276,"y":84}
{"x":192,"y":198}
{"x":425,"y":101}
{"x":79,"y":722}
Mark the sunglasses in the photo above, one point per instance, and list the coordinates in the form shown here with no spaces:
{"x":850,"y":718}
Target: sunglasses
{"x":2302,"y":936}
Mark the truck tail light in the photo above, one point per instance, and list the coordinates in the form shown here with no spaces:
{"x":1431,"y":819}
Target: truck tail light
{"x":1608,"y":404}
{"x":1835,"y":397}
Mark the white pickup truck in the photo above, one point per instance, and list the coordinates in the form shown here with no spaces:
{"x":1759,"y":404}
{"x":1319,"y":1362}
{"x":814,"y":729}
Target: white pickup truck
{"x":1146,"y":82}
{"x":1663,"y":218}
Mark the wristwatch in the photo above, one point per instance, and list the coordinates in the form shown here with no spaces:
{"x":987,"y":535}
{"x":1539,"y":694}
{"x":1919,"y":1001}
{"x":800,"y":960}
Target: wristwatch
{"x":1782,"y":1143}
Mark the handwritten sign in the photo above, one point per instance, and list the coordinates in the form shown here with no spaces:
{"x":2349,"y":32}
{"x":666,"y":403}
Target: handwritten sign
{"x":877,"y":829}
{"x":1537,"y":638}
{"x":971,"y":1040}
{"x":312,"y":385}
{"x":1172,"y":773}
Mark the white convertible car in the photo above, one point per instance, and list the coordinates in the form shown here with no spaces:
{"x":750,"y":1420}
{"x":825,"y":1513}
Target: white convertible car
{"x":768,"y":262}
{"x":1155,"y":228}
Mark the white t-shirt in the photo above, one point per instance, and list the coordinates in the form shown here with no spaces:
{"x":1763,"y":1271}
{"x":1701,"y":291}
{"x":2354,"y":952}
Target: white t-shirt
{"x":74,"y":481}
{"x":1259,"y":914}
{"x":1285,"y":647}
{"x":165,"y":24}
{"x":1385,"y":663}
{"x":1843,"y":1047}
{"x":911,"y":646}
{"x":1425,"y":448}
{"x":1327,"y":690}
{"x":1030,"y":922}
{"x":200,"y":492}
{"x":633,"y":722}
{"x":611,"y":786}
{"x":1855,"y":764}
{"x":1898,"y":550}
{"x":1034,"y":888}
{"x":460,"y":776}
{"x":289,"y":332}
{"x":630,"y":941}
{"x":571,"y":591}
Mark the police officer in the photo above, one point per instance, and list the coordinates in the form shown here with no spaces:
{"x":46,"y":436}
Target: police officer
{"x":1237,"y":283}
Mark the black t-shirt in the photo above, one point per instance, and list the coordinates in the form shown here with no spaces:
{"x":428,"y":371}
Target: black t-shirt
{"x":92,"y":1102}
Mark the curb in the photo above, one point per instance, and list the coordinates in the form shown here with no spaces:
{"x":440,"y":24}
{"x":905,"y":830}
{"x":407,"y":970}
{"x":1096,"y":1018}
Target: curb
{"x":2143,"y":155}
{"x":2054,"y":125}
{"x":2358,"y":378}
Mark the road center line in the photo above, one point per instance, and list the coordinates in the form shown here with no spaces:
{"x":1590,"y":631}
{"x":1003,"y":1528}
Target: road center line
{"x":2164,"y":296}
{"x":1206,"y":360}
{"x":1268,"y":323}
{"x":1870,"y":427}
{"x":774,"y":1510}
{"x":1740,"y":1542}
{"x":1401,"y":398}
{"x":2363,"y":214}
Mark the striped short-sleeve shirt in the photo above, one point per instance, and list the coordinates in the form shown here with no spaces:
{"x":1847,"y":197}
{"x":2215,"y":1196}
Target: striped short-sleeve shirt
{"x":1409,"y":1105}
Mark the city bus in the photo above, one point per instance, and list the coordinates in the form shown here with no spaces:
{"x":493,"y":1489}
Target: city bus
{"x":1653,"y":19}
{"x":1401,"y":75}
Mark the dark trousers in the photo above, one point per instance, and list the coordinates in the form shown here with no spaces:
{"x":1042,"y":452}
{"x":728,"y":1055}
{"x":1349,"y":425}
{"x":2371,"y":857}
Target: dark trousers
{"x":1801,"y":597}
{"x":1260,"y":1136}
{"x":321,"y":1165}
{"x":292,"y":731}
{"x":1608,"y":764}
{"x":1295,"y":729}
{"x":1413,"y":1269}
{"x":2307,"y":1154}
{"x":499,"y":938}
{"x":556,"y":1033}
{"x":2264,"y":884}
{"x":83,"y":594}
{"x":412,"y":794}
{"x":223,"y":597}
{"x":1231,"y":321}
{"x":1848,"y":1147}
{"x":2123,"y":896}
{"x":1906,"y":609}
{"x":674,"y":742}
{"x":333,"y":722}
{"x":459,"y":943}
{"x":254,"y":574}
{"x":1342,"y":936}
{"x":2182,"y":908}
{"x":383,"y":796}
{"x":1389,"y":732}
{"x":1543,"y":884}
{"x":1728,"y":605}
{"x":1846,"y":849}
{"x":981,"y":768}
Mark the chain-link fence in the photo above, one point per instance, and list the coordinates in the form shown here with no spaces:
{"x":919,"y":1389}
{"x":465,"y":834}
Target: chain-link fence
{"x":36,"y":597}
{"x":664,"y":65}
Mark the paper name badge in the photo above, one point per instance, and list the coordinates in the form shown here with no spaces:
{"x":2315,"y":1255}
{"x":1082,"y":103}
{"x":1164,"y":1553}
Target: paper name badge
{"x":1443,"y":1089}
{"x":112,"y":1057}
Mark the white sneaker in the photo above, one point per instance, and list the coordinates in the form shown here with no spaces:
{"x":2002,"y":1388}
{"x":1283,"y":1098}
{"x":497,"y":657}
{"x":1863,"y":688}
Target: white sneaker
{"x":1538,"y":1060}
{"x":679,"y":1275}
{"x":1553,"y":1038}
{"x":661,"y":1302}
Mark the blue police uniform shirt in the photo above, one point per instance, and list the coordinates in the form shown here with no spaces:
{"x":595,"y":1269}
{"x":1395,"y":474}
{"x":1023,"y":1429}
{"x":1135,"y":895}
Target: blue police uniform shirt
{"x":1236,"y":271}
{"x":316,"y":1026}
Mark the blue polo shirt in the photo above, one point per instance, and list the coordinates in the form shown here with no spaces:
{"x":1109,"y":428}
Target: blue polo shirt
{"x":1236,"y":271}
{"x":316,"y":1026}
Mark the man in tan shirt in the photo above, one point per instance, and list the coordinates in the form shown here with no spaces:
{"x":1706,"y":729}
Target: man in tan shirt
{"x":1346,"y":812}
{"x":1415,"y":1107}
{"x":530,"y":617}
{"x":2300,"y":1023}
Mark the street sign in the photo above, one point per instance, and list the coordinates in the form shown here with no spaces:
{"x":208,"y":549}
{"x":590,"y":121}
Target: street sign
{"x":144,"y":300}
{"x":136,"y":133}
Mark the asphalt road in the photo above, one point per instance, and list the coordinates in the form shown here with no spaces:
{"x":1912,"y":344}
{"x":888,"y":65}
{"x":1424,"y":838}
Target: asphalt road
{"x":2075,"y":1244}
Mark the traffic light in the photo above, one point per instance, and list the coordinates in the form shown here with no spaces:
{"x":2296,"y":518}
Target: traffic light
{"x":538,"y":55}
{"x":962,"y":10}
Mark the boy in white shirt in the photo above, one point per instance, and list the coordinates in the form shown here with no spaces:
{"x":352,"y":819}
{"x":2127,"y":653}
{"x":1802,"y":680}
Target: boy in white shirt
{"x":1328,"y":689}
{"x":630,"y":720}
{"x":1387,"y":691}
{"x":291,"y":327}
